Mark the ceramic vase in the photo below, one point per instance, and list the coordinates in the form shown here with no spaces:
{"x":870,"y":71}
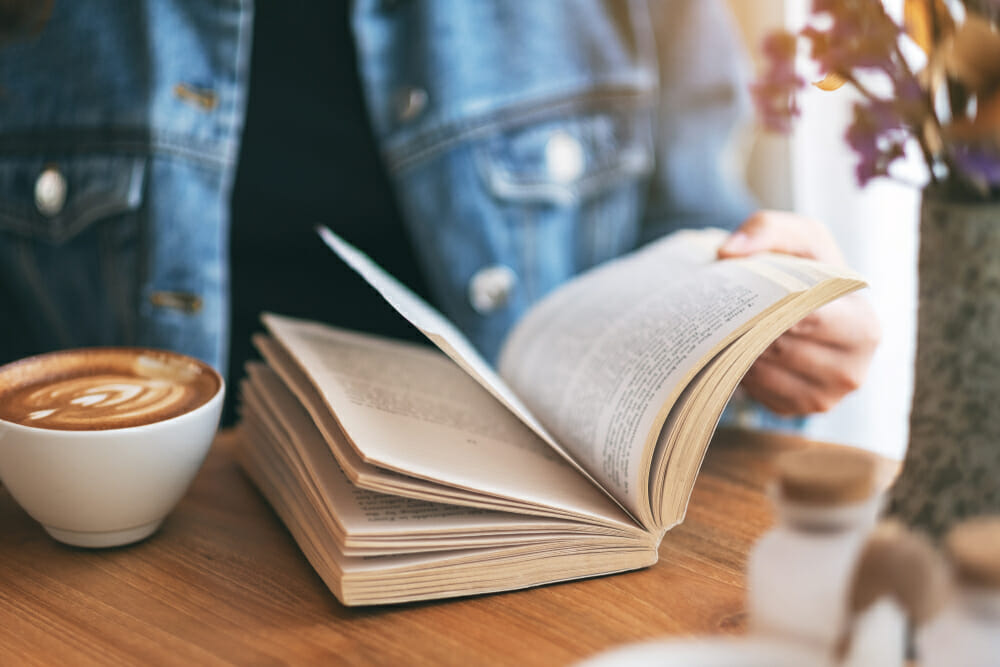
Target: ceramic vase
{"x":952,"y":465}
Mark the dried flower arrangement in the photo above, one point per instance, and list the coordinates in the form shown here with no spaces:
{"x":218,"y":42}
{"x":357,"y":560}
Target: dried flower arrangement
{"x":945,"y":94}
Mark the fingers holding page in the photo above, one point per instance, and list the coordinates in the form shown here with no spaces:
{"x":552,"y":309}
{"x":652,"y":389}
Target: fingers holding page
{"x":780,"y":390}
{"x":800,"y":380}
{"x":824,"y":357}
{"x":815,"y":364}
{"x":849,"y":323}
{"x":787,"y":233}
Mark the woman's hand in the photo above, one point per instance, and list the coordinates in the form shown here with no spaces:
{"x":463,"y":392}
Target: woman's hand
{"x":813,"y":365}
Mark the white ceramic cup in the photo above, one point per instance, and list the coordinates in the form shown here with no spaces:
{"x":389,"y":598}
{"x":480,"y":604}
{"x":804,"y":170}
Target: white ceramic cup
{"x":105,"y":488}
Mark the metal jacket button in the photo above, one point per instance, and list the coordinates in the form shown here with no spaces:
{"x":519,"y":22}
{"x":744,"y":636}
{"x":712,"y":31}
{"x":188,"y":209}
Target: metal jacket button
{"x":410,"y":103}
{"x":50,"y":192}
{"x":490,"y":288}
{"x":564,"y":158}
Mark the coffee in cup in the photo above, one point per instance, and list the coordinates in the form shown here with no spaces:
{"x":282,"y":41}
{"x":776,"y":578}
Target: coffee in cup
{"x":103,"y":388}
{"x":99,"y":444}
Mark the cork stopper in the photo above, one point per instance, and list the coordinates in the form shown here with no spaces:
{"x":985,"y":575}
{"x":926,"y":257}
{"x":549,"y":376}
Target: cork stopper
{"x":973,"y":547}
{"x":826,"y":476}
{"x":900,"y":564}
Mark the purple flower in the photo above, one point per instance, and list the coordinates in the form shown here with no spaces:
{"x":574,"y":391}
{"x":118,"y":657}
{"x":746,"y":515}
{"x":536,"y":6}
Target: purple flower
{"x":780,"y":46}
{"x":850,"y":40}
{"x":775,"y":92}
{"x":979,"y":163}
{"x":909,"y":91}
{"x":860,"y":35}
{"x":877,"y":136}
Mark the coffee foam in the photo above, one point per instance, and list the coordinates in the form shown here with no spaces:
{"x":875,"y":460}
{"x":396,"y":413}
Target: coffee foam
{"x":103,"y":388}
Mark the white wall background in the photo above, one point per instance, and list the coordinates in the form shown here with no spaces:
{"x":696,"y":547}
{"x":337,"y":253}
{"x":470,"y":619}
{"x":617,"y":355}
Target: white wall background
{"x":812,"y":172}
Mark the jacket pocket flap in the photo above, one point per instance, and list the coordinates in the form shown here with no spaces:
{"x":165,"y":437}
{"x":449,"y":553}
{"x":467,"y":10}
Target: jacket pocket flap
{"x":55,"y":199}
{"x":566,"y":160}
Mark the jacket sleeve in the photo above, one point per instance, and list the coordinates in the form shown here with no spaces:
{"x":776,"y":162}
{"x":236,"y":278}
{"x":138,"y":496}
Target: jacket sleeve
{"x":702,"y":115}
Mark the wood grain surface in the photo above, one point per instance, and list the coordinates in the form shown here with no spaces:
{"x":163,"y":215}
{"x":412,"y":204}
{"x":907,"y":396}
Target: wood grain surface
{"x":222,"y":582}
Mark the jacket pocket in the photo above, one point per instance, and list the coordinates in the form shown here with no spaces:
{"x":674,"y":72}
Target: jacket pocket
{"x":500,"y":221}
{"x":56,"y":199}
{"x":69,"y":250}
{"x":567,"y":161}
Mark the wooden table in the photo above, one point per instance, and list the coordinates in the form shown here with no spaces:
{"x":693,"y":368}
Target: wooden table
{"x":223,"y":582}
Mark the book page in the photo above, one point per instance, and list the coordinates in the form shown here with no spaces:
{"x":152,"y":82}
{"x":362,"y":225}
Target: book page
{"x":446,"y":336}
{"x":361,"y":473}
{"x":409,"y":409}
{"x":280,"y":430}
{"x":601,"y":359}
{"x":435,"y":326}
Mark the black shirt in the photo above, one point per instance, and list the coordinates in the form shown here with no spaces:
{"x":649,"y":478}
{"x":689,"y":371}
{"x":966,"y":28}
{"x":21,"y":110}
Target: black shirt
{"x":308,"y":156}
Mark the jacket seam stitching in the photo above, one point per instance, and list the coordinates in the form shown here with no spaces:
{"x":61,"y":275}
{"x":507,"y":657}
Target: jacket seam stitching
{"x":140,"y":142}
{"x":445,"y":135}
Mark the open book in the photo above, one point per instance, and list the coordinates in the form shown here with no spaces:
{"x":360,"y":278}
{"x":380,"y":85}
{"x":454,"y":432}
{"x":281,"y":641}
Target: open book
{"x":408,"y":474}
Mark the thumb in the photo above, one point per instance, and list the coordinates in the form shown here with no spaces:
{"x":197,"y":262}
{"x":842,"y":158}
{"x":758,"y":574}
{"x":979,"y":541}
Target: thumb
{"x":786,"y":233}
{"x":739,"y":244}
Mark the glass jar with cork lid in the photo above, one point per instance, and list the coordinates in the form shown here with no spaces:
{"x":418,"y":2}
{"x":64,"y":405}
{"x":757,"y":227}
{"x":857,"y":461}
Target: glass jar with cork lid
{"x":967,"y":632}
{"x":800,"y":572}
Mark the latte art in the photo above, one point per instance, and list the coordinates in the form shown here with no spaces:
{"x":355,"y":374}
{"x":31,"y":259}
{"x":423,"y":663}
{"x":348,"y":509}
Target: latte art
{"x":114,"y":399}
{"x":103,"y":389}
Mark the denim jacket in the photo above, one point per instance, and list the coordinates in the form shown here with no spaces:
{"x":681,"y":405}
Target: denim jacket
{"x":526,"y":141}
{"x":119,"y":133}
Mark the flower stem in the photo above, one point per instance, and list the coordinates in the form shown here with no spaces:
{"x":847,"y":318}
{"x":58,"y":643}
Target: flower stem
{"x":918,"y":131}
{"x":853,"y":80}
